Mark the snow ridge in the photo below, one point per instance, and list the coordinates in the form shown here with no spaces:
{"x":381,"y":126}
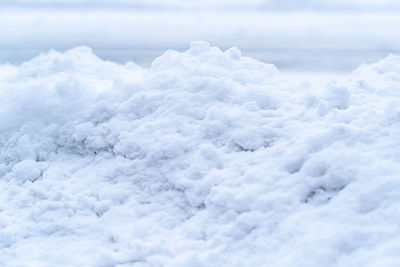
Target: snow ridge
{"x":206,"y":158}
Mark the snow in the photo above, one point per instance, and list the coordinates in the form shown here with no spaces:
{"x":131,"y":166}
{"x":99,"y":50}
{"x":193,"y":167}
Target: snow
{"x":295,"y":40}
{"x":206,"y":158}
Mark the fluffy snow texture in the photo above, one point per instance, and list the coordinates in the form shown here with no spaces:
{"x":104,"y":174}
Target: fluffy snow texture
{"x":206,"y":158}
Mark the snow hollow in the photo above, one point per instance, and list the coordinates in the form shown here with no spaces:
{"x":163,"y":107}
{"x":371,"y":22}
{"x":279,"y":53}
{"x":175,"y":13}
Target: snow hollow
{"x":206,"y":158}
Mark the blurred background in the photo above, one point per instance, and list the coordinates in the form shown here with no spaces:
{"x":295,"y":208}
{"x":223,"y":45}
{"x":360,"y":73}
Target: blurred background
{"x":309,"y":36}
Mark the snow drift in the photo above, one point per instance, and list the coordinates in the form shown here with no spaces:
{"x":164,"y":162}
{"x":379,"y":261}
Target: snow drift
{"x":206,"y":158}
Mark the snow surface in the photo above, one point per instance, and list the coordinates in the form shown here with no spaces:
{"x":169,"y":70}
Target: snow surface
{"x":293,"y":41}
{"x":206,"y":158}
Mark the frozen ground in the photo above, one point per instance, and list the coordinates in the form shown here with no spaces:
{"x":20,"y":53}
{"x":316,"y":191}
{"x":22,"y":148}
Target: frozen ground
{"x":206,"y":158}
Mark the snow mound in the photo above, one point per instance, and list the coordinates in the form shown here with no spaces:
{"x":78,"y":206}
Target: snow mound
{"x":206,"y":158}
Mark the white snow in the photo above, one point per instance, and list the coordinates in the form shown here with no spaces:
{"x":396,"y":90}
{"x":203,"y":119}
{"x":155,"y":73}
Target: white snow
{"x":294,"y":39}
{"x":206,"y":158}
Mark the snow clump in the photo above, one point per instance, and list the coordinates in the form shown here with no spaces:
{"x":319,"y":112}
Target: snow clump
{"x":207,"y":158}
